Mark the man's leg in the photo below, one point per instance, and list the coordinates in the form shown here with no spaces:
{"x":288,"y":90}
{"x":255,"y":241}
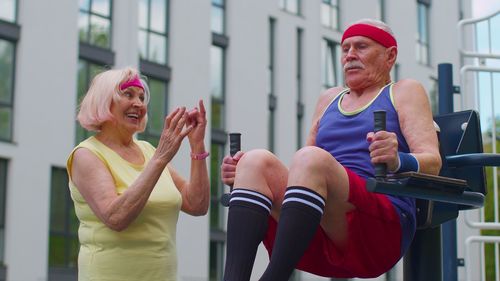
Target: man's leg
{"x":314,"y":176}
{"x":246,"y":227}
{"x":249,"y":208}
{"x":300,"y":216}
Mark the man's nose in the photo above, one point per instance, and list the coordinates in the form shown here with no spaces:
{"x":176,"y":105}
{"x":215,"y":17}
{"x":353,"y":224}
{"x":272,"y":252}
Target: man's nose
{"x":350,"y":54}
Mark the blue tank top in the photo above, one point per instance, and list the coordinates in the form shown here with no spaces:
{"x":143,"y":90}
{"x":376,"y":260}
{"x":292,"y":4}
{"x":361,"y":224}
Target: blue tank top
{"x":343,"y":134}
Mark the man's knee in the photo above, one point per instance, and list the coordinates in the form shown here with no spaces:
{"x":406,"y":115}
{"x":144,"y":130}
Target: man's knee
{"x":259,"y":159}
{"x":310,"y":158}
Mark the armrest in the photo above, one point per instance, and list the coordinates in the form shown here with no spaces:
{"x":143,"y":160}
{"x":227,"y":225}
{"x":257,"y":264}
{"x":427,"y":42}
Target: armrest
{"x":428,"y":187}
{"x":474,"y":159}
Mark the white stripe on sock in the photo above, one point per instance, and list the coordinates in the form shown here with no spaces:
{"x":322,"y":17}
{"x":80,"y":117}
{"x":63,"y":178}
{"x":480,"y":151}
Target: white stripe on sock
{"x":306,"y":193}
{"x":303,"y":202}
{"x":238,"y":190}
{"x":251,"y":201}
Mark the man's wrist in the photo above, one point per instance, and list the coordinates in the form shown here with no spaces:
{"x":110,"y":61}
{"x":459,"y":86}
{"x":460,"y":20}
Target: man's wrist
{"x":407,"y":163}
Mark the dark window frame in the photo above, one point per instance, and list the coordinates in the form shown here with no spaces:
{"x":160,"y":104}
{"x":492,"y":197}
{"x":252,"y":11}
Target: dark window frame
{"x":10,"y":31}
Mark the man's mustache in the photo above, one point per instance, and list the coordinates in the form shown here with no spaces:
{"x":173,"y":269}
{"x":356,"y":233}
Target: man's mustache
{"x":353,"y":65}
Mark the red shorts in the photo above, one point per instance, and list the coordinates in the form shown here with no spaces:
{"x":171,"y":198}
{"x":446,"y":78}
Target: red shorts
{"x":374,"y":238}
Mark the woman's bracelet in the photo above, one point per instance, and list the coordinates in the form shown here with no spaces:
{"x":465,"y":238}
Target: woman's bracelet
{"x":199,"y":156}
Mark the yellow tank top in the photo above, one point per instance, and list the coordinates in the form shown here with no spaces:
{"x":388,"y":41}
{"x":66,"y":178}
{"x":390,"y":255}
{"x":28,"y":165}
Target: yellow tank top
{"x":146,"y":249}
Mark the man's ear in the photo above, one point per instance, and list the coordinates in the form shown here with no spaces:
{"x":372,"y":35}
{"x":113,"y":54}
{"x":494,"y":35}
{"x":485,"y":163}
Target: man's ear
{"x":392,"y":54}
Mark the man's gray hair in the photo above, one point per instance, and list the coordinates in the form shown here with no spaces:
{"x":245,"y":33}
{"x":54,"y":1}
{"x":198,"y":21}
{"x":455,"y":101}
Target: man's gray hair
{"x":377,"y":23}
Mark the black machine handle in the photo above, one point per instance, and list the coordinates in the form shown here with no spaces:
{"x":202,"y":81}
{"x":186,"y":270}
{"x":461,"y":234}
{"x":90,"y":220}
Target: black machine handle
{"x":234,"y":143}
{"x":234,"y":147}
{"x":379,"y":124}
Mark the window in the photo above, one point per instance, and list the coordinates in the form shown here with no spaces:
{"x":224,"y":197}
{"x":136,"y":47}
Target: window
{"x":395,"y":72}
{"x":95,"y":55}
{"x":63,"y":236}
{"x":331,"y":68}
{"x":86,"y":71}
{"x":3,"y":191}
{"x":9,"y":35}
{"x":220,"y":43}
{"x":217,"y":147}
{"x":8,"y":10}
{"x":7,"y":55}
{"x":433,"y":96}
{"x":300,"y":104}
{"x":217,"y":86}
{"x":157,"y":110}
{"x":330,"y":13}
{"x":153,"y":54}
{"x":218,"y":22}
{"x":292,"y":6}
{"x":381,"y":10}
{"x":153,"y":30}
{"x":94,"y":23}
{"x":272,"y":98}
{"x":422,"y":45}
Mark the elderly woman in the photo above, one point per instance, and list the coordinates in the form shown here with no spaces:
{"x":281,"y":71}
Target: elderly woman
{"x":126,"y":193}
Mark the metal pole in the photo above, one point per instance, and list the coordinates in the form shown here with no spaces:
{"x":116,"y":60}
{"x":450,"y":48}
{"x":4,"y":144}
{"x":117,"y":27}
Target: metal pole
{"x":449,"y":229}
{"x":423,"y":260}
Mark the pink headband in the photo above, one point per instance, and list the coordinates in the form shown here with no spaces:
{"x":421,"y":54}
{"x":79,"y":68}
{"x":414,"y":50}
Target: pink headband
{"x":134,"y":82}
{"x":377,"y":34}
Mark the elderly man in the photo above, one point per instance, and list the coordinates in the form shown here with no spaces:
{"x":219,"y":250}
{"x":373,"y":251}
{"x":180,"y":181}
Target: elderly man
{"x":317,"y":215}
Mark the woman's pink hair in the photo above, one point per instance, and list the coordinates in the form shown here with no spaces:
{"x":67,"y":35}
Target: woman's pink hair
{"x":95,"y":108}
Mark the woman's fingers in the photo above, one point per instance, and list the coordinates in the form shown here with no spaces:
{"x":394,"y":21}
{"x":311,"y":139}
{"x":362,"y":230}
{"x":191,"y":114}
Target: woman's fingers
{"x":168,"y":119}
{"x":202,"y":109}
{"x":179,"y":117}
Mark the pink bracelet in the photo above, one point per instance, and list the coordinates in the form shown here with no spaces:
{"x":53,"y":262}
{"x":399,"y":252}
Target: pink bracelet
{"x":200,"y":156}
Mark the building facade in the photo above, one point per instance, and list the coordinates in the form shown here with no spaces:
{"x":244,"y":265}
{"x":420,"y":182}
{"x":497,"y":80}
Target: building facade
{"x":259,"y":65}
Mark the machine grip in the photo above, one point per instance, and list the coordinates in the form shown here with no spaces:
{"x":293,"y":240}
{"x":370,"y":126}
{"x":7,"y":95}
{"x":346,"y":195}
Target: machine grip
{"x":379,"y":124}
{"x":234,"y":146}
{"x":234,"y":143}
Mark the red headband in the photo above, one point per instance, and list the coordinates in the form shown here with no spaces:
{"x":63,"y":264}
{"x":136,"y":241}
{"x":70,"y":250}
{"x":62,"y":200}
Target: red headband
{"x":377,"y":34}
{"x":134,"y":82}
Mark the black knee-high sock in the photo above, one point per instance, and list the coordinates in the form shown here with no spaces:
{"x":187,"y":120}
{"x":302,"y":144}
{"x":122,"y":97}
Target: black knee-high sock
{"x":246,"y":226}
{"x":299,"y":219}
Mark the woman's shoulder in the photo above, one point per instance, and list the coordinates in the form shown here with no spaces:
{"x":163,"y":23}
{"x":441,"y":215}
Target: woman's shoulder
{"x":89,"y":145}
